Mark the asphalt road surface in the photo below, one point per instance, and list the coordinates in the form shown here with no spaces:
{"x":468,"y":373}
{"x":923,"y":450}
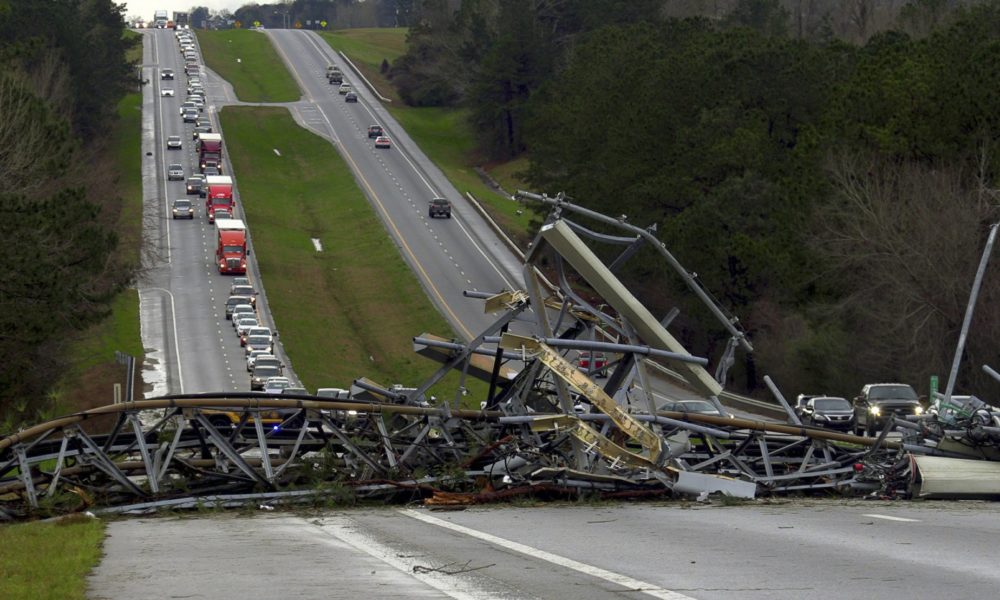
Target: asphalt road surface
{"x":788,"y":550}
{"x":191,"y":346}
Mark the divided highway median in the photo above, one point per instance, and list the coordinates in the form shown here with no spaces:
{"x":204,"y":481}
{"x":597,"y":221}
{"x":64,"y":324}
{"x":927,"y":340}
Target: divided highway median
{"x":248,"y":61}
{"x":349,"y":309}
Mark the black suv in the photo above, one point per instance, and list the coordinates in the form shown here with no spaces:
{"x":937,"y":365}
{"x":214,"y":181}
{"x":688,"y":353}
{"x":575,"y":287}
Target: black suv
{"x":374,"y":131}
{"x":880,"y":401}
{"x":439,"y":207}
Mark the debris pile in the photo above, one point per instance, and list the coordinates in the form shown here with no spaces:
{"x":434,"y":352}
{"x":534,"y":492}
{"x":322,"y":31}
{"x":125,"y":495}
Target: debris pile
{"x":546,"y":428}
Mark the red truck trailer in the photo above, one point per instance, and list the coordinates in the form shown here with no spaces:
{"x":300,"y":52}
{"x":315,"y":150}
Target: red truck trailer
{"x":210,"y":149}
{"x":231,"y":246}
{"x":219,"y":194}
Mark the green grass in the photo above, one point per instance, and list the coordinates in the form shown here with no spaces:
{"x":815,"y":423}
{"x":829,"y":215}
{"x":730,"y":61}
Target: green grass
{"x":350,"y":310}
{"x":259,"y":76}
{"x":127,"y":147}
{"x":444,"y":134}
{"x":48,"y":560}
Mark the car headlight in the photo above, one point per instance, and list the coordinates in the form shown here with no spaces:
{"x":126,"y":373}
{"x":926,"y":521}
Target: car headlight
{"x":875,"y":410}
{"x":919,"y":410}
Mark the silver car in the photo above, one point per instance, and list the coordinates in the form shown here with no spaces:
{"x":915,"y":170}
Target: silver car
{"x":175,"y":172}
{"x":182,"y":209}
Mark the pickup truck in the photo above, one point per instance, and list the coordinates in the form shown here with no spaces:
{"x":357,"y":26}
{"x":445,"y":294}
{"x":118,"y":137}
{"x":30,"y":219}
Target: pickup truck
{"x":879,"y":402}
{"x":439,"y":207}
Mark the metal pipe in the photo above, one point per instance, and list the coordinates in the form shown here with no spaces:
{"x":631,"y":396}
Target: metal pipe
{"x":970,"y":308}
{"x":238,"y":400}
{"x":794,"y":418}
{"x":462,"y":347}
{"x":610,"y":347}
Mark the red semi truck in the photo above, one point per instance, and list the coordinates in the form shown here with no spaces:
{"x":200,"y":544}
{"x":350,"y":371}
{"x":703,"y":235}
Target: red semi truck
{"x":209,"y":150}
{"x":219,"y":194}
{"x":231,"y":246}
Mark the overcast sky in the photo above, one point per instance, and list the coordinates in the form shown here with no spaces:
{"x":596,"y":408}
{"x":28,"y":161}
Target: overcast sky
{"x":146,"y":8}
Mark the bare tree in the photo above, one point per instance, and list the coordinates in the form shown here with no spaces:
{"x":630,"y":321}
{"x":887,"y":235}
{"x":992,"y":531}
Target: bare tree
{"x":905,"y":239}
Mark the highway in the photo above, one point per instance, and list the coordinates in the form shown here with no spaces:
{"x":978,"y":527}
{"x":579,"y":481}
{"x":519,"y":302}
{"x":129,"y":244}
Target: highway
{"x":449,"y":256}
{"x":191,"y":346}
{"x":678,"y":550}
{"x":787,"y":550}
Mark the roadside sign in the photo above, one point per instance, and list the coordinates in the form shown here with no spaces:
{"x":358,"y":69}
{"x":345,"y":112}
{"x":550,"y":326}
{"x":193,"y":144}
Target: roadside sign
{"x":322,"y":24}
{"x":256,"y":23}
{"x":237,"y":24}
{"x":298,"y":24}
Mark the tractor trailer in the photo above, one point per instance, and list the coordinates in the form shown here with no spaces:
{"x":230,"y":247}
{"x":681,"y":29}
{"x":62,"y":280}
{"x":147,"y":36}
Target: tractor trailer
{"x":231,"y":246}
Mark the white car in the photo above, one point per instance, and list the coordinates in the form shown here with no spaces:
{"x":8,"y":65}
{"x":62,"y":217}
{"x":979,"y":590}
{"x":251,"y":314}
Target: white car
{"x":186,"y":106}
{"x":245,"y":323}
{"x":167,"y":93}
{"x":274,"y":385}
{"x":254,"y":355}
{"x":344,"y":88}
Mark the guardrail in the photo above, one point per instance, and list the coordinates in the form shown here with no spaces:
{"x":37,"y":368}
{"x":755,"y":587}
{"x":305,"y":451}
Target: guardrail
{"x":363,"y":78}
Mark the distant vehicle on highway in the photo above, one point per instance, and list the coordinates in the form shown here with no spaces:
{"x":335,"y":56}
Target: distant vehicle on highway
{"x":831,"y":412}
{"x":233,"y":301}
{"x":879,"y":402}
{"x":174,"y":142}
{"x":200,"y":129}
{"x":275,"y":385}
{"x":166,"y":74}
{"x":262,"y":373}
{"x":350,"y":97}
{"x":244,"y":325}
{"x":244,"y":290}
{"x":182,"y":209}
{"x":210,"y":171}
{"x":175,"y":172}
{"x":190,"y":115}
{"x":593,"y":362}
{"x":186,"y":106}
{"x":252,"y":358}
{"x":383,"y":142}
{"x":375,"y":131}
{"x":194,"y":184}
{"x":167,"y":93}
{"x":344,"y":88}
{"x":439,"y":207}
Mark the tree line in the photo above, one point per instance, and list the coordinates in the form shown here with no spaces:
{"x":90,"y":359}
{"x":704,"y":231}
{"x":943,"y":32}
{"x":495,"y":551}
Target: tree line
{"x":63,"y":71}
{"x":832,"y":186}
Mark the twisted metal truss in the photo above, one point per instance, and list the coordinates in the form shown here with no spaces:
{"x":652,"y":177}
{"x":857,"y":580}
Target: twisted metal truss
{"x":544,"y":427}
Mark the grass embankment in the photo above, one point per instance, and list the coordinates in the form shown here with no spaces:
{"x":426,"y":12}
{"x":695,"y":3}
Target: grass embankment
{"x":444,"y":134}
{"x":248,"y":61}
{"x":48,"y":560}
{"x":350,"y":310}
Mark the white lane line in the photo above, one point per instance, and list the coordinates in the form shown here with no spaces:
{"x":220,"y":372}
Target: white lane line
{"x":568,"y":563}
{"x":450,"y":585}
{"x":177,"y":348}
{"x":416,"y":171}
{"x":890,"y":518}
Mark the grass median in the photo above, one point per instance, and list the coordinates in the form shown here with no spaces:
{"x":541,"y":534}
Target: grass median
{"x":346,"y":311}
{"x":248,"y":61}
{"x":444,"y":134}
{"x":49,"y":560}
